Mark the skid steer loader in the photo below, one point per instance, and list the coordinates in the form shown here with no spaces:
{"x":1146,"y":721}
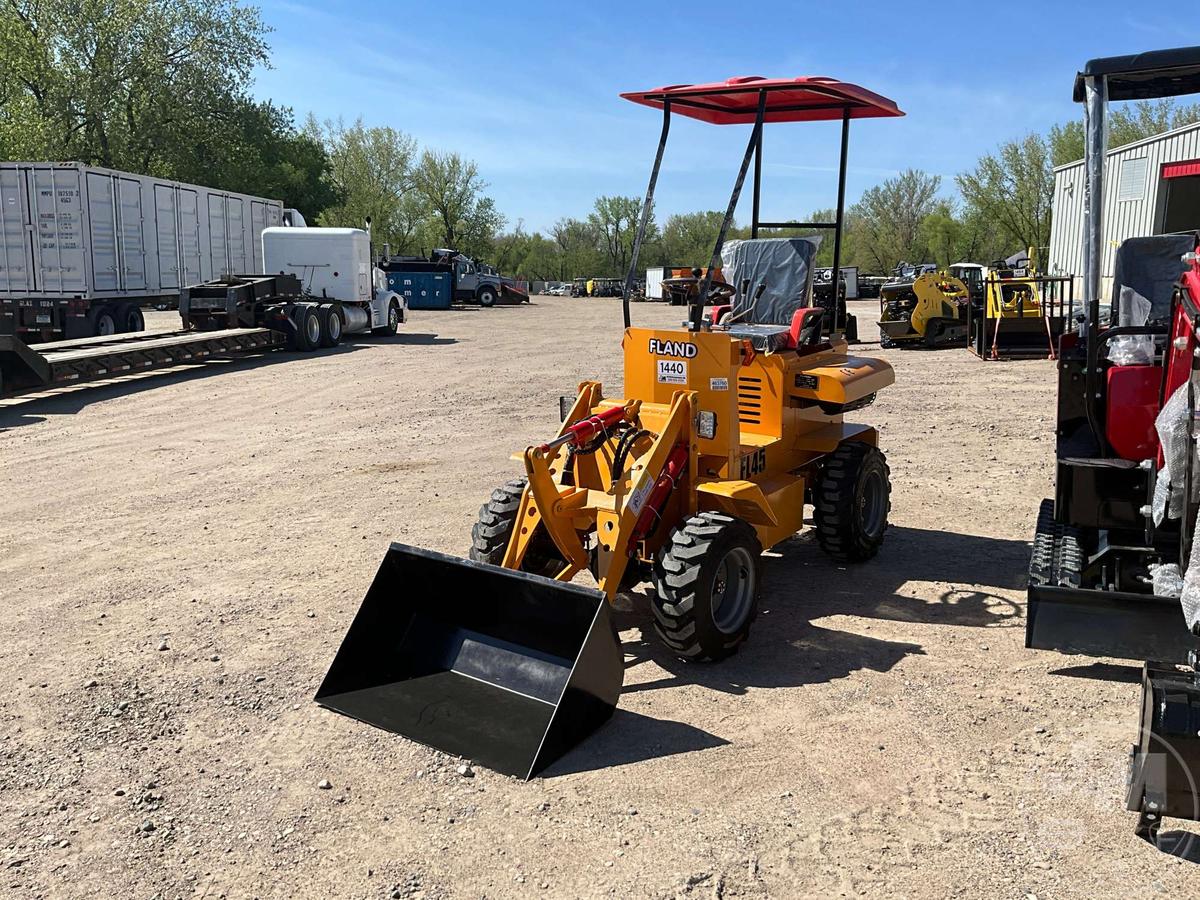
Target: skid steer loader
{"x":928,"y":308}
{"x":725,"y":435}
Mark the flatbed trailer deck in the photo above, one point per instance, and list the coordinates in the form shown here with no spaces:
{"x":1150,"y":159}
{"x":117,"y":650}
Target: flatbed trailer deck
{"x":25,"y":368}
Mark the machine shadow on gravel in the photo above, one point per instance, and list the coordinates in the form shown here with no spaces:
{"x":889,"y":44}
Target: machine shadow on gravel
{"x":802,"y":585}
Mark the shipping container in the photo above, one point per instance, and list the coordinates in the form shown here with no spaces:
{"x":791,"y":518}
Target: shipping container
{"x":83,"y":247}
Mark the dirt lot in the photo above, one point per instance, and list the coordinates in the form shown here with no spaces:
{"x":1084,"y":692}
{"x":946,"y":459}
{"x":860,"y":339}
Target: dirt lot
{"x":180,"y":555}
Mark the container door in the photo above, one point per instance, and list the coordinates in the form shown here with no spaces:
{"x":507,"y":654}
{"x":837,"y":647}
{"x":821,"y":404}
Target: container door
{"x":102,"y":216}
{"x":218,"y":236}
{"x":237,"y":235}
{"x":16,"y":246}
{"x":58,"y":213}
{"x":189,"y":237}
{"x":166,"y":230}
{"x":258,"y":221}
{"x":133,"y":238}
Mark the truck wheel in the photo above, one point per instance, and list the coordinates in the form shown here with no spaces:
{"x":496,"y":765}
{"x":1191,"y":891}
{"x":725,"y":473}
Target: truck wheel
{"x":491,"y":533}
{"x":331,"y":325}
{"x":103,"y":320}
{"x":487,"y":296}
{"x":851,"y":502}
{"x":706,"y":586}
{"x":393,"y":322}
{"x":129,"y":318}
{"x":308,"y":328}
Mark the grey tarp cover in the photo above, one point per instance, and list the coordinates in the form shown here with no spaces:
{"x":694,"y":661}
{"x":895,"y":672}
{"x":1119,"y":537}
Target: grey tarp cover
{"x":783,"y":264}
{"x":1151,"y":266}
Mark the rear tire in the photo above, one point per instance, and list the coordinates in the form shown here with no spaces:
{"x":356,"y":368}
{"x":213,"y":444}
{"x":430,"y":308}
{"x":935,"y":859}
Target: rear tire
{"x":331,"y":325}
{"x":308,"y":328}
{"x":129,"y":318}
{"x":851,"y":501}
{"x":706,"y":582}
{"x":493,"y":530}
{"x":103,"y":320}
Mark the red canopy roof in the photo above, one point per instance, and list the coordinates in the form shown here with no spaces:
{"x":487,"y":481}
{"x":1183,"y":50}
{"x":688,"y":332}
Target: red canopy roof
{"x":812,"y":98}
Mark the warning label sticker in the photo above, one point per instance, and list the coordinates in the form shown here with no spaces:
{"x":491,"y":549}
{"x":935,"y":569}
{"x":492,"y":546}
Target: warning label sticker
{"x":672,"y":371}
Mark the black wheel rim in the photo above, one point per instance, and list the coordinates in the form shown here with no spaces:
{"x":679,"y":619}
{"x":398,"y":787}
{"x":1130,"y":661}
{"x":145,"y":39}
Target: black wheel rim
{"x":872,"y":503}
{"x":733,"y":590}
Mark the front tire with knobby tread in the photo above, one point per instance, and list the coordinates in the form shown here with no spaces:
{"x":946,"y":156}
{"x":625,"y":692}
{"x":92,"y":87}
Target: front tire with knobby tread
{"x":706,"y":582}
{"x":851,"y":502}
{"x":493,"y":530}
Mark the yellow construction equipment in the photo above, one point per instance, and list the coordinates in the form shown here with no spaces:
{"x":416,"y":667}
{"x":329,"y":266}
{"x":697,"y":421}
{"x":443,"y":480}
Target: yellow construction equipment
{"x":723,"y":438}
{"x":1022,"y":313}
{"x":924,"y":306}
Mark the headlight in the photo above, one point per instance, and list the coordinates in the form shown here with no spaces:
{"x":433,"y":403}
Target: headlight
{"x":706,"y":425}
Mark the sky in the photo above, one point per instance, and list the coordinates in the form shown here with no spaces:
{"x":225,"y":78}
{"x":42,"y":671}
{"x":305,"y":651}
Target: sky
{"x":528,"y":90}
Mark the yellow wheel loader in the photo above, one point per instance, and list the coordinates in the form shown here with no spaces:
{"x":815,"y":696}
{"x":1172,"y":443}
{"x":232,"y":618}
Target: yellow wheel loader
{"x":722,"y":439}
{"x":923,"y":306}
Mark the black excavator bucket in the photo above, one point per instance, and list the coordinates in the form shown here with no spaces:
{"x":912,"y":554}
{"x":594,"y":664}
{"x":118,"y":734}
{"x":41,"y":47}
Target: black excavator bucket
{"x":1164,"y":772}
{"x":508,"y":669}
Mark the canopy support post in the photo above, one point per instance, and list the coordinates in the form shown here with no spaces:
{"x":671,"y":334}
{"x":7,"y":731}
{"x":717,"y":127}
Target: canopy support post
{"x":647,"y":204}
{"x":697,"y":316}
{"x":836,"y":274}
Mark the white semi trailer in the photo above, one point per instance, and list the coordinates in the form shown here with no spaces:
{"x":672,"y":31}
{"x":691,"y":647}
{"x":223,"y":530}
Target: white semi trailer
{"x":319,"y":285}
{"x":83,"y":248}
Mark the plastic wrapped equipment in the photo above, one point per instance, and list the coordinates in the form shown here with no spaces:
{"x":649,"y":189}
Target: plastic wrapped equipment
{"x":1172,"y":427}
{"x":1132,"y":349}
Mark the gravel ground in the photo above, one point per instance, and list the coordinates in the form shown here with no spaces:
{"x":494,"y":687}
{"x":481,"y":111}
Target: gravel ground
{"x":181,"y":553}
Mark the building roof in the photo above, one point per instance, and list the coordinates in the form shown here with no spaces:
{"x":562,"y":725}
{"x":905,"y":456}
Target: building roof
{"x":1153,"y":139}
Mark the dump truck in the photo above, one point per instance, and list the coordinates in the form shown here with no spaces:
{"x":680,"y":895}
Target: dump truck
{"x":84,"y":248}
{"x":726,"y":437}
{"x":325,"y":289}
{"x":1115,"y":567}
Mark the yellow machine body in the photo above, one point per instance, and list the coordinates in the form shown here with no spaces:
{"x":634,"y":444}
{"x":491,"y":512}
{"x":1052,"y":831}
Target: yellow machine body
{"x":934,"y":299}
{"x":1013,"y":298}
{"x":772,"y":417}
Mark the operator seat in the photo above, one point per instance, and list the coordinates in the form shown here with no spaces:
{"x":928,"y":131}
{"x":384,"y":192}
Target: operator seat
{"x":773,"y":310}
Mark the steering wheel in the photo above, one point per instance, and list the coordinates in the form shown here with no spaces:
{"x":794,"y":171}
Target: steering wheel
{"x":718,"y":291}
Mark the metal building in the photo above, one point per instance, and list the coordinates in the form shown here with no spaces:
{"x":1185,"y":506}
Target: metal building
{"x":1151,"y":186}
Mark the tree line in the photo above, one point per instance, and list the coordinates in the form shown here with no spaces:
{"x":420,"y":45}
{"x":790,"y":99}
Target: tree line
{"x":162,"y":87}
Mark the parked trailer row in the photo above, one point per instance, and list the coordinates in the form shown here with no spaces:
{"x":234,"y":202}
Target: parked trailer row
{"x":83,"y":247}
{"x":327,"y":289}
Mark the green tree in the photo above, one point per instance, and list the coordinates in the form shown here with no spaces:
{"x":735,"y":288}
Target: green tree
{"x":1014,"y":188}
{"x":452,"y":191}
{"x":885,"y":224}
{"x":159,"y":87}
{"x":578,"y":244}
{"x":1127,"y":123}
{"x":615,"y":220}
{"x":688,"y":238}
{"x":372,"y":171}
{"x":120,"y":82}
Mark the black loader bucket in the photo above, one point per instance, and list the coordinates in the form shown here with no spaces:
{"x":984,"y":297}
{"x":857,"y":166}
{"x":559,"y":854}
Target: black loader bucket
{"x":508,"y":669}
